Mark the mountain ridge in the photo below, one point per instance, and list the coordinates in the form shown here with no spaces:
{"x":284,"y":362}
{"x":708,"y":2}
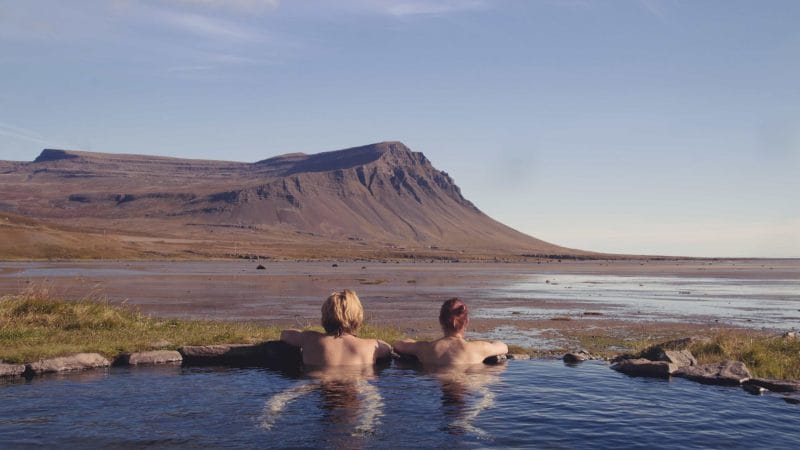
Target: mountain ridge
{"x":377,"y":195}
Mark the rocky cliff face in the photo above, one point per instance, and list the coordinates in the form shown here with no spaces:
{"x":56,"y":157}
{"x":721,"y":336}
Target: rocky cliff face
{"x":381,"y":192}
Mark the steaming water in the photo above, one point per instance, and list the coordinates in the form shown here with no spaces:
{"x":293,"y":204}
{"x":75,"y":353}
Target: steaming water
{"x":522,"y":404}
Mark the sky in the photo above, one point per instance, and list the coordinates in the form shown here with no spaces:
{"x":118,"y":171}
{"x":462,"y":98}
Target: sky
{"x":666,"y":127}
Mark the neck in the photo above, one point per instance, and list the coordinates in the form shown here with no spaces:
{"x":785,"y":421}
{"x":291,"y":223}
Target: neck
{"x":455,"y":334}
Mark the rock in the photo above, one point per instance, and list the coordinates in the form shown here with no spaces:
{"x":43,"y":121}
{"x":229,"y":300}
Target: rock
{"x":149,"y":358}
{"x":260,"y":267}
{"x":497,"y":359}
{"x":270,"y":354}
{"x":753,"y":389}
{"x":792,"y":400}
{"x":576,"y":357}
{"x":11,"y":370}
{"x":654,"y":353}
{"x":790,"y":335}
{"x":645,"y":368}
{"x":80,"y":361}
{"x":725,"y":373}
{"x":518,"y":356}
{"x":681,"y":358}
{"x":775,"y":385}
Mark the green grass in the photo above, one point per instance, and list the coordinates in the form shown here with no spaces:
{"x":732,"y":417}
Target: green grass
{"x":765,"y":356}
{"x":34,"y":325}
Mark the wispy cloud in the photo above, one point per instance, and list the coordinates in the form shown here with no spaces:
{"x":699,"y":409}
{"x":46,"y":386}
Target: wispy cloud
{"x":654,"y":7}
{"x":207,"y":27}
{"x":22,"y":134}
{"x":235,"y":6}
{"x":430,"y":7}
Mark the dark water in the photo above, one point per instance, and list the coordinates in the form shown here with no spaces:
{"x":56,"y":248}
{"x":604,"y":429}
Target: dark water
{"x":522,"y":404}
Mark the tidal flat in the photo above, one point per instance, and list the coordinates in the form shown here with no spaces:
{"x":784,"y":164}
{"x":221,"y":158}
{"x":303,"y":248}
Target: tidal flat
{"x":545,"y":305}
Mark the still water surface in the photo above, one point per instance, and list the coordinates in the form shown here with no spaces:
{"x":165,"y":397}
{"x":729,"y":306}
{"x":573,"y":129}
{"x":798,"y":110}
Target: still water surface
{"x":521,"y":404}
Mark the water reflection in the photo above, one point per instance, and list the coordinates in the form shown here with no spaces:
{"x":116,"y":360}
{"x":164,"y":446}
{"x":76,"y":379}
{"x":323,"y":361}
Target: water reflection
{"x":466,"y":392}
{"x":348,"y":397}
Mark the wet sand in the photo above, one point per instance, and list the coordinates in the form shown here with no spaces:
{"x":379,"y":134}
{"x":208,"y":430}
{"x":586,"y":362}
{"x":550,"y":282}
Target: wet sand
{"x":525,"y":303}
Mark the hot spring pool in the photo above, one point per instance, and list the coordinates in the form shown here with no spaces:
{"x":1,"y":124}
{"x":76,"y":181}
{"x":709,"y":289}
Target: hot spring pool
{"x":519,"y":404}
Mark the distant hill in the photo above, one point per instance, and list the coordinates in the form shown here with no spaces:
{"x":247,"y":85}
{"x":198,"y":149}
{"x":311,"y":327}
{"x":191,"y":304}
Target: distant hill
{"x":375,"y":201}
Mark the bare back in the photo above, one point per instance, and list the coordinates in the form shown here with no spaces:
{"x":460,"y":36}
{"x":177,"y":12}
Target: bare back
{"x":323,"y":350}
{"x":452,"y":350}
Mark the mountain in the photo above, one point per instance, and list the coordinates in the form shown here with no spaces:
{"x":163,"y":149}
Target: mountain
{"x":379,"y":200}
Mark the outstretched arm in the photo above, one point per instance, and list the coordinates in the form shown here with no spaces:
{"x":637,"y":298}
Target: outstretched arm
{"x":292,"y":337}
{"x":493,"y":348}
{"x":406,"y":347}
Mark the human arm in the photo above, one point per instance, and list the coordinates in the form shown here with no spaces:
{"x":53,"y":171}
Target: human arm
{"x":383,"y":350}
{"x":406,"y":347}
{"x":492,"y":348}
{"x":293,"y":337}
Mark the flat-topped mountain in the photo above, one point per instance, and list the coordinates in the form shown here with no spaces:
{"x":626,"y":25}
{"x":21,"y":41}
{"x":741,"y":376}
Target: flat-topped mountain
{"x":377,"y":200}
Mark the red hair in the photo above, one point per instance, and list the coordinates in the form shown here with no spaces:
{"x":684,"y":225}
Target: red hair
{"x":453,"y":316}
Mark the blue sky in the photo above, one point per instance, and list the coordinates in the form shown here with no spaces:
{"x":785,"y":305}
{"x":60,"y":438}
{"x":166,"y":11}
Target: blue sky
{"x":635,"y":126}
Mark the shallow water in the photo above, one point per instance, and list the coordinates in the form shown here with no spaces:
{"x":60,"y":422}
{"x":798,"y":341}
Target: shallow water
{"x":754,"y":303}
{"x":521,"y":404}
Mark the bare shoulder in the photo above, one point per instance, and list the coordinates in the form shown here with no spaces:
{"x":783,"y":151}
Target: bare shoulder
{"x":299,"y":338}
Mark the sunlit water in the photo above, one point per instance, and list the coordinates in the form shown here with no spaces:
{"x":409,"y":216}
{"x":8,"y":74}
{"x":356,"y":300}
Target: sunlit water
{"x":521,"y":404}
{"x":753,"y":303}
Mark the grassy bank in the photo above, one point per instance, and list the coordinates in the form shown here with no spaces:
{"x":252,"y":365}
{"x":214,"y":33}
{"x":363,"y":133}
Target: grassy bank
{"x":766,"y":356}
{"x":36,"y":325}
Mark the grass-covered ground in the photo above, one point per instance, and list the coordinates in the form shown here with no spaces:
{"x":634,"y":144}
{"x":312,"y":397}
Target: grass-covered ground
{"x":35,"y":325}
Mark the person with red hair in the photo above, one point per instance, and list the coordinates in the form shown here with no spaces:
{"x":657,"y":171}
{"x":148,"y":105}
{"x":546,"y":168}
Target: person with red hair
{"x":452,"y":349}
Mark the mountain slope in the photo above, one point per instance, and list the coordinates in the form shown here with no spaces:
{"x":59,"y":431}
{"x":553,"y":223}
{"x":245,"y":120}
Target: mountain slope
{"x":378,"y":196}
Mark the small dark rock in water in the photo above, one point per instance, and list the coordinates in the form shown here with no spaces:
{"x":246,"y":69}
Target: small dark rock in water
{"x":260,"y":267}
{"x":775,"y":385}
{"x":792,"y":400}
{"x":334,"y":265}
{"x":576,"y":357}
{"x":724,"y":373}
{"x":363,"y":267}
{"x":753,"y":389}
{"x":11,"y":370}
{"x":497,"y":359}
{"x":645,"y":368}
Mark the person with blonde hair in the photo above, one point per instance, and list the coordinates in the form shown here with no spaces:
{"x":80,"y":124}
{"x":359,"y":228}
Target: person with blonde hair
{"x":342,"y":316}
{"x":452,"y":349}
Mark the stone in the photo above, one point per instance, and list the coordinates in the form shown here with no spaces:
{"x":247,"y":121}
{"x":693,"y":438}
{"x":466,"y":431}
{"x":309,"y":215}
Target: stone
{"x":497,"y":359}
{"x":654,"y":352}
{"x":518,"y":356}
{"x":149,"y":358}
{"x":270,"y":354}
{"x":775,"y":385}
{"x":260,"y":267}
{"x":576,"y":357}
{"x":729,"y":373}
{"x":681,"y":358}
{"x":645,"y":368}
{"x":790,"y":335}
{"x":753,"y":389}
{"x":80,"y":361}
{"x":11,"y":370}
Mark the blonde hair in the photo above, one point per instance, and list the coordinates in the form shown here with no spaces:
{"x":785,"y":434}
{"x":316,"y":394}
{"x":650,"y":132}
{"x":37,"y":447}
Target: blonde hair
{"x":342,"y":313}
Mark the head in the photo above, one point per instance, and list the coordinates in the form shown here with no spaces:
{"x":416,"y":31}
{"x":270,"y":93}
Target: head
{"x":454,"y":316}
{"x":342,"y":313}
